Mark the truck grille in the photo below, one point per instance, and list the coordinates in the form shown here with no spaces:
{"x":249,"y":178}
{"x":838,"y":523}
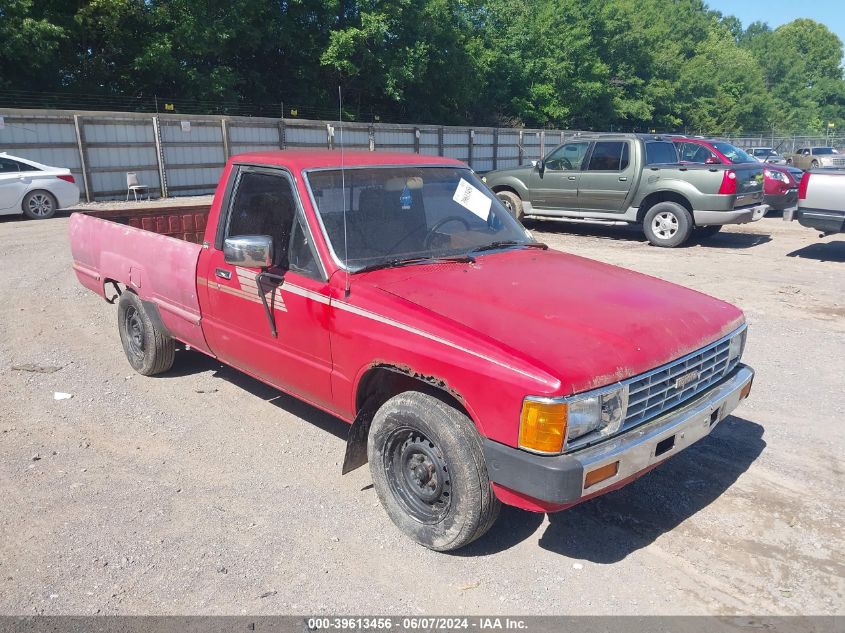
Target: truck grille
{"x":659,"y":390}
{"x":837,"y":161}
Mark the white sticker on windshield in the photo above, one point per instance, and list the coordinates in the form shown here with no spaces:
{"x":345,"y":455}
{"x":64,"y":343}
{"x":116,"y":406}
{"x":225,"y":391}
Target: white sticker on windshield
{"x":472,"y":199}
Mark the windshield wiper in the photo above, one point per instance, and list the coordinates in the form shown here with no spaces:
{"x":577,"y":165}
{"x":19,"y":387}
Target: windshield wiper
{"x":398,"y":263}
{"x":508,"y":243}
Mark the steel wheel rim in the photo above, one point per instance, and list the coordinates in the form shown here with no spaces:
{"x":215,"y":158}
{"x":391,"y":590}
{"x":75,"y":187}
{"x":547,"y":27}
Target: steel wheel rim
{"x":134,"y":328}
{"x":507,"y":204}
{"x":665,"y":225}
{"x":418,"y":475}
{"x":40,"y":204}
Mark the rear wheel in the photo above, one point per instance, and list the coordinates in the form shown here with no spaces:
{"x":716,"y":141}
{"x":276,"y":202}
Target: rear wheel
{"x":39,"y":205}
{"x":667,"y":224}
{"x":511,"y":202}
{"x":428,"y":469}
{"x":148,"y":349}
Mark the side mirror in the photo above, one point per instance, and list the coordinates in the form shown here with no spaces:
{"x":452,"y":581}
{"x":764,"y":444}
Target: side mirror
{"x":252,"y":251}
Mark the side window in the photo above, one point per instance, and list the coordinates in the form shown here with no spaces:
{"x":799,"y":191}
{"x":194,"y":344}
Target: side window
{"x":609,"y":156}
{"x":8,"y":166}
{"x":695,"y":153}
{"x":660,"y":152}
{"x":25,"y":167}
{"x":569,"y":156}
{"x":301,"y":257}
{"x":264,"y":205}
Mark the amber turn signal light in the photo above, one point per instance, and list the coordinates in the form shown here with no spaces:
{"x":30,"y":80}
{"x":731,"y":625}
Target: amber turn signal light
{"x":600,"y":474}
{"x":746,"y":390}
{"x":542,"y":426}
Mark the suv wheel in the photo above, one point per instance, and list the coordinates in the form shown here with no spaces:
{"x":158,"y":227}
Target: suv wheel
{"x":511,"y":202}
{"x":667,"y":224}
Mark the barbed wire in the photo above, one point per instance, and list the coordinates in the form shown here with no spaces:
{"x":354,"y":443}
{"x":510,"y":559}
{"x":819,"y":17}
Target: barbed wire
{"x":66,"y":100}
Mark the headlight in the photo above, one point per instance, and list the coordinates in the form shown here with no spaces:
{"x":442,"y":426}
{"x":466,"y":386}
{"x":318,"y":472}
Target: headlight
{"x":547,"y":424}
{"x":736,"y":347}
{"x":484,"y":179}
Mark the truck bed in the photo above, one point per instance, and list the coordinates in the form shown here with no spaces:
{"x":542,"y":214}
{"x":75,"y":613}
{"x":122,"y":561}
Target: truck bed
{"x":151,"y":251}
{"x":182,"y":222}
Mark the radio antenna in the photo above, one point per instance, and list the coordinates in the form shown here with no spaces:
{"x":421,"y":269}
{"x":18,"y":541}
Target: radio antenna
{"x":343,"y":190}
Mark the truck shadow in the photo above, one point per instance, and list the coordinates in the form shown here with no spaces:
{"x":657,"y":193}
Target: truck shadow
{"x":193,"y":362}
{"x":822,"y":251}
{"x":609,"y":528}
{"x":724,"y":239}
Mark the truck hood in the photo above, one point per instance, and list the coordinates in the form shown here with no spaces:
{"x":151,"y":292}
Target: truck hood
{"x":586,"y":323}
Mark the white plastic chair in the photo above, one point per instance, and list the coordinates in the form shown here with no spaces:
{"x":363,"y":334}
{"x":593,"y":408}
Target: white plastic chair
{"x":134,"y":186}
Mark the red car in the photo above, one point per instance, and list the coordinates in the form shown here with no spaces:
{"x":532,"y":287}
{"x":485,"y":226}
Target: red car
{"x":474,"y":365}
{"x":780,"y":184}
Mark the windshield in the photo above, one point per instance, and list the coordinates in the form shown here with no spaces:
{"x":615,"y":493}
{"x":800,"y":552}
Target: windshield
{"x":733,"y":153}
{"x":395,"y":214}
{"x":824,"y":150}
{"x":763,"y":151}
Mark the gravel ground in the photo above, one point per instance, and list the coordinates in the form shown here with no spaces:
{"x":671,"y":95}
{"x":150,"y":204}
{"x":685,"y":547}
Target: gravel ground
{"x":204,"y":492}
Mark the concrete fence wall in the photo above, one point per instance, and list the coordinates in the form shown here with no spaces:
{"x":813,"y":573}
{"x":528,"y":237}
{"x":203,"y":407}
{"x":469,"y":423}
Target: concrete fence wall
{"x":184,"y":155}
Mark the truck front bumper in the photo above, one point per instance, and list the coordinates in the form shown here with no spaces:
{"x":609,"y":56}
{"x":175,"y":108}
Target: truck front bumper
{"x":561,"y":479}
{"x":742,"y":215}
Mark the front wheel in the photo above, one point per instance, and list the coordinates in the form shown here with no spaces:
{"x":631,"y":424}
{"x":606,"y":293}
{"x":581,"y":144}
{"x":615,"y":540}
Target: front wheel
{"x":148,"y":349}
{"x":814,"y":164}
{"x":40,"y":205}
{"x":427,"y":463}
{"x":511,"y":202}
{"x":667,"y":224}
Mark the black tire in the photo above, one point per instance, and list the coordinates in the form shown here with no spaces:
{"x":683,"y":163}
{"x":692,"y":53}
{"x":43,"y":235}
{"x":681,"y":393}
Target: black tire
{"x":148,"y":349}
{"x":814,"y":164}
{"x":667,"y":224}
{"x":427,"y":463}
{"x":39,"y":205}
{"x":511,"y":202}
{"x":707,"y":231}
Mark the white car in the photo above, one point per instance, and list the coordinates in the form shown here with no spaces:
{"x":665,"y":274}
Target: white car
{"x":33,"y":189}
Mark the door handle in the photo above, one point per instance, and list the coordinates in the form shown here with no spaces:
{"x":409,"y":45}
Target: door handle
{"x":623,"y":178}
{"x":223,"y":273}
{"x":571,"y":177}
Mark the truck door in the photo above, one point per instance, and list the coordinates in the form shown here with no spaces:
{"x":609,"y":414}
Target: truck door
{"x":236,"y":325}
{"x":604,"y":185}
{"x":554,"y":185}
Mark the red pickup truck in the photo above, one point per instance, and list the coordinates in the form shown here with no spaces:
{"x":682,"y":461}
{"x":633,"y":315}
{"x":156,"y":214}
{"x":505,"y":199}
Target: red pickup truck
{"x":475,"y":366}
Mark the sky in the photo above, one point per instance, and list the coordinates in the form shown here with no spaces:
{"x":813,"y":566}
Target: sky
{"x":831,"y":13}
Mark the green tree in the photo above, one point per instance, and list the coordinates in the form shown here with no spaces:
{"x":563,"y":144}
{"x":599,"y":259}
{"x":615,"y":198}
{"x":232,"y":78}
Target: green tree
{"x":28,"y":46}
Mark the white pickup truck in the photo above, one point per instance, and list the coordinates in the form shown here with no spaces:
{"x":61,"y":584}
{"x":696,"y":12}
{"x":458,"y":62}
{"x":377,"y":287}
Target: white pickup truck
{"x":821,"y":201}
